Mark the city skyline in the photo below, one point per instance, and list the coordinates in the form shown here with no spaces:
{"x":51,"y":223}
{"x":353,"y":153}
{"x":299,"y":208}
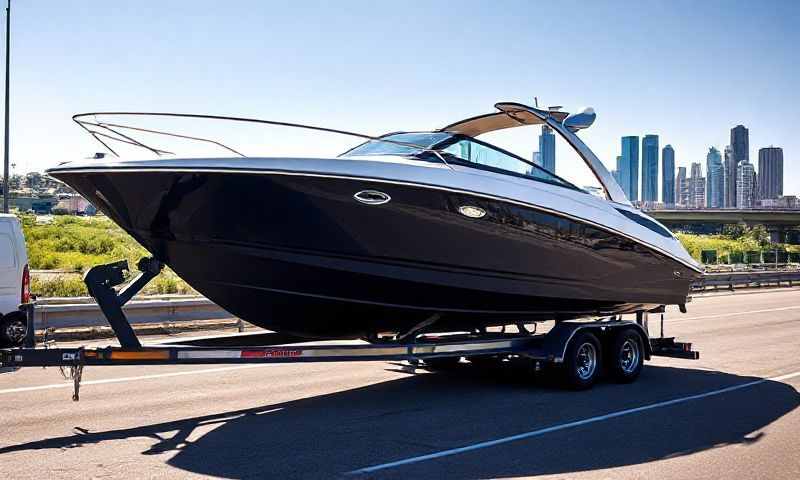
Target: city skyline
{"x":262,"y":69}
{"x":732,"y":183}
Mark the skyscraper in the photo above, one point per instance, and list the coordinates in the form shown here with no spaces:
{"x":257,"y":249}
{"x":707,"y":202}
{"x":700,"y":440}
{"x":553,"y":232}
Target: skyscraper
{"x":537,"y":159}
{"x":745,"y":185}
{"x":730,"y":176}
{"x":682,"y":187}
{"x":547,"y":149}
{"x":650,"y":168}
{"x":770,"y":172}
{"x":668,"y":175}
{"x":697,"y":187}
{"x":628,"y":168}
{"x":622,"y":176}
{"x":740,"y":143}
{"x":715,"y":181}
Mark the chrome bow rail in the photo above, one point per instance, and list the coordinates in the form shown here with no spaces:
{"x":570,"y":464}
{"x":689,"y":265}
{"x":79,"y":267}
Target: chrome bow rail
{"x":104,"y":131}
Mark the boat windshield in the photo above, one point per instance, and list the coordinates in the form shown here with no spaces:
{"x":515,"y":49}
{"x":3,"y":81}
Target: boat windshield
{"x":417,"y":141}
{"x":468,"y":151}
{"x":458,"y":149}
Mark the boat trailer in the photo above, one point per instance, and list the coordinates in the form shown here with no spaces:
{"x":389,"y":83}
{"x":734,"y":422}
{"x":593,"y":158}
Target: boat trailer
{"x":556,"y":347}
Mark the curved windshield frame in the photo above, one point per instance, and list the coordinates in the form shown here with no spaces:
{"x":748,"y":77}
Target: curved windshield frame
{"x":461,"y":150}
{"x":423,"y":141}
{"x":465,"y":150}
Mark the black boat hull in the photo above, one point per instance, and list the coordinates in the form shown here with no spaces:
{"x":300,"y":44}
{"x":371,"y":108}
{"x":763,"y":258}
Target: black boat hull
{"x":298,"y":254}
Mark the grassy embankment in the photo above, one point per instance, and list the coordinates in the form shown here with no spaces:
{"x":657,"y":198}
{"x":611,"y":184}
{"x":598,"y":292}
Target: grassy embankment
{"x":746,"y":240}
{"x":71,"y":245}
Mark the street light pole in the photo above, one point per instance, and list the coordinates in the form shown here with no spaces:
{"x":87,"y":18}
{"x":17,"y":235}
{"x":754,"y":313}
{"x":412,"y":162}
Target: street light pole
{"x":5,"y":152}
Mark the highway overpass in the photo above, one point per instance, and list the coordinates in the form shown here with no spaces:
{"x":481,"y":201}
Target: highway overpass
{"x":783,"y":225}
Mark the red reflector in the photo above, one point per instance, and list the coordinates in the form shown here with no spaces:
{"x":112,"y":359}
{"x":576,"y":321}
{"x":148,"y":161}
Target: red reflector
{"x":26,"y":285}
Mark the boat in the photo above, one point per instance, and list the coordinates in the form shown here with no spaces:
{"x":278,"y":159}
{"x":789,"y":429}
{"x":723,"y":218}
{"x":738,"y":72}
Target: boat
{"x":406,"y":232}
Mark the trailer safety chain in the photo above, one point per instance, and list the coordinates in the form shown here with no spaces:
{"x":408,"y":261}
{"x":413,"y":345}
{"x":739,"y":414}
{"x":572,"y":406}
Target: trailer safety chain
{"x":46,"y":337}
{"x":74,"y":372}
{"x":77,"y":373}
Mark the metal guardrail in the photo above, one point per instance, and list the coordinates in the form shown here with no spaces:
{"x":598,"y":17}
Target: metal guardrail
{"x":735,"y":280}
{"x":53,"y":313}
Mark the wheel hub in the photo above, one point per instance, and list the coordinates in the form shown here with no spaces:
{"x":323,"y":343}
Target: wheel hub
{"x":629,"y":356}
{"x":587,"y":361}
{"x":15,"y":331}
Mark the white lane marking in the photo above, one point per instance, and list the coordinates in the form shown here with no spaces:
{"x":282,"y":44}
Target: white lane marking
{"x":720,"y":315}
{"x":564,"y":426}
{"x":68,"y":384}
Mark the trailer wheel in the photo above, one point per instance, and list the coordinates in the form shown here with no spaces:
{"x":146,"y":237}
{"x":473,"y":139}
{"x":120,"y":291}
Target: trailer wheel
{"x":442,"y":363}
{"x":626,"y":356}
{"x":12,"y":330}
{"x":582,"y":362}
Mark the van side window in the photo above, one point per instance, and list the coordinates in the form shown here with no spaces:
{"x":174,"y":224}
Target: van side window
{"x":6,"y":251}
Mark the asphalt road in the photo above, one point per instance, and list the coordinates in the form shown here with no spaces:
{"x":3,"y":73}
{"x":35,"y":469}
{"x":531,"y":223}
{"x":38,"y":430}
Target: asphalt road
{"x":732,"y":414}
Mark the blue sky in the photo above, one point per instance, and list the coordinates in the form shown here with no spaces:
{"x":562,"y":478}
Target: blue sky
{"x":688,"y":71}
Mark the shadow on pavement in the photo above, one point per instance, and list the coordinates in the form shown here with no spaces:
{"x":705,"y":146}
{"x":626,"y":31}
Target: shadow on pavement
{"x":333,"y":434}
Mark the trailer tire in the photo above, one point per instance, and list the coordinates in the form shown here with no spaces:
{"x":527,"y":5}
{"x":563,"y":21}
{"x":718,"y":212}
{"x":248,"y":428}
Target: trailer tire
{"x":626,"y":356}
{"x":13,"y":328}
{"x":582,"y":362}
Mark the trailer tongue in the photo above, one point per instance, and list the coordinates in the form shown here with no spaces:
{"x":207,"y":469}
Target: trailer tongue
{"x":576,"y":348}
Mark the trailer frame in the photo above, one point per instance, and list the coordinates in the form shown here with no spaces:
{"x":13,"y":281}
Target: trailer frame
{"x":270,"y":347}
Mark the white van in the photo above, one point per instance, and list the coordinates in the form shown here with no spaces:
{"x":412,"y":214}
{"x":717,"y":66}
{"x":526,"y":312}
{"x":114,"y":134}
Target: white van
{"x":15,"y":281}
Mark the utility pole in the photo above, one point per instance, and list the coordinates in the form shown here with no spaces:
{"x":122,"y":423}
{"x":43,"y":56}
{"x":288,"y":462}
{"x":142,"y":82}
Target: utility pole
{"x":5,"y":152}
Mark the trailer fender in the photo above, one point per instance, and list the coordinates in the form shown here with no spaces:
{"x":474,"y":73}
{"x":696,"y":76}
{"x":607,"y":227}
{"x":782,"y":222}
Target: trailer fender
{"x":557,"y":340}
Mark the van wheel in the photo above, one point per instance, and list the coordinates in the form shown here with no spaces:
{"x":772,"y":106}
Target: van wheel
{"x":626,"y":357}
{"x":582,"y":363}
{"x":12,"y":330}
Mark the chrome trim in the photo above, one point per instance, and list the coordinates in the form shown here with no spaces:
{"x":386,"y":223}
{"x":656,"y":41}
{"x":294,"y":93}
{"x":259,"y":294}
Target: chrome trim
{"x":380,"y":180}
{"x":471,"y":211}
{"x":629,"y":356}
{"x":613,"y":190}
{"x":372,"y":197}
{"x":117,"y":136}
{"x":587,"y":361}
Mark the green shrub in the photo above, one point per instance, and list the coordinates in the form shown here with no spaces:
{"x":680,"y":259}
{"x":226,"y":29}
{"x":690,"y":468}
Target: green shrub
{"x":77,"y":243}
{"x":58,"y":286}
{"x":726,"y":246}
{"x":74,"y":244}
